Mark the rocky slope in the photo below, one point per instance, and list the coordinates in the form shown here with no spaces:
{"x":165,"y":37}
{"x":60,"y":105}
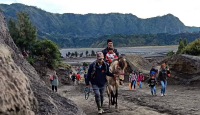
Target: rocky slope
{"x":185,"y":68}
{"x":16,"y":96}
{"x":21,"y":86}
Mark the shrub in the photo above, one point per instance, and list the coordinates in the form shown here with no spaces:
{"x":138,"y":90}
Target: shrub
{"x":192,"y":48}
{"x":170,"y":53}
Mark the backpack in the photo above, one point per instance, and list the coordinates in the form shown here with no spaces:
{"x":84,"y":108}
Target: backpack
{"x":51,"y":78}
{"x":94,"y":69}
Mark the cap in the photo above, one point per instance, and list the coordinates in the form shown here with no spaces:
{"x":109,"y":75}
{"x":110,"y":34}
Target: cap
{"x":99,"y":55}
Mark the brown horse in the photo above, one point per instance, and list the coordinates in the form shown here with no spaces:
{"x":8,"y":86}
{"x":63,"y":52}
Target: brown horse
{"x":117,"y":67}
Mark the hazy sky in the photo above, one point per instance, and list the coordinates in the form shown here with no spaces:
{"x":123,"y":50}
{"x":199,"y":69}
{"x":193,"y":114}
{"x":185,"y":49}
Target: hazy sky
{"x":188,"y":11}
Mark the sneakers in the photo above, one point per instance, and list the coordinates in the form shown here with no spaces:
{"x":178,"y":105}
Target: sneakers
{"x":162,"y":95}
{"x":134,"y":89}
{"x":100,"y":111}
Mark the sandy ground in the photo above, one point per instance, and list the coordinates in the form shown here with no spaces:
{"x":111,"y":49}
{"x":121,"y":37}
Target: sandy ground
{"x":126,"y":107}
{"x":179,"y":100}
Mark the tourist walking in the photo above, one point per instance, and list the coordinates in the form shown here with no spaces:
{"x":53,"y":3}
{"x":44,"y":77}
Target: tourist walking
{"x":162,"y":77}
{"x":78,"y":77}
{"x":133,"y":79}
{"x":73,"y":78}
{"x":97,"y":77}
{"x":54,"y":82}
{"x":152,"y":83}
{"x":140,"y":78}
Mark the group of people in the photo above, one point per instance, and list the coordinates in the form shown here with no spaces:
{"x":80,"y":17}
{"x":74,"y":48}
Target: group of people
{"x":153,"y":81}
{"x":97,"y":72}
{"x":75,"y":78}
{"x":99,"y":69}
{"x":134,"y":78}
{"x":162,"y":78}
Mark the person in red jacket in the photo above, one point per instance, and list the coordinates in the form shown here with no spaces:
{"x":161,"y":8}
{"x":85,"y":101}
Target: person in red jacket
{"x":78,"y":77}
{"x":110,"y":56}
{"x":140,"y":78}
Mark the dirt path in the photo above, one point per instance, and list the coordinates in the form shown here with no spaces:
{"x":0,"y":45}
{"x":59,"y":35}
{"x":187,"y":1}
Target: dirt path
{"x":126,"y":107}
{"x":179,"y":100}
{"x":183,"y":100}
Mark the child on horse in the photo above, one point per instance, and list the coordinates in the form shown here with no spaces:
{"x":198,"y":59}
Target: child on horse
{"x":110,"y":56}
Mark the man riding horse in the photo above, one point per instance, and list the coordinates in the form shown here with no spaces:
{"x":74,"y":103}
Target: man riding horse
{"x":97,"y":73}
{"x":106,"y":50}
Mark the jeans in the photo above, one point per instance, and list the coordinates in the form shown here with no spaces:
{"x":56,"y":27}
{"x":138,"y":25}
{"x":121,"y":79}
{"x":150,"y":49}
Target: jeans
{"x":133,"y":83}
{"x":153,"y":88}
{"x":164,"y":85}
{"x":98,"y":91}
{"x":140,"y":84}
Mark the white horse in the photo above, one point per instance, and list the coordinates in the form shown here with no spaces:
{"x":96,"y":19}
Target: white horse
{"x":117,"y":67}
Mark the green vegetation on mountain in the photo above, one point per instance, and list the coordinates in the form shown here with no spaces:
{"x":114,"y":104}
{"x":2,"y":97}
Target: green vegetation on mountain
{"x":24,"y":35}
{"x":95,"y":24}
{"x":145,"y":39}
{"x":91,"y":30}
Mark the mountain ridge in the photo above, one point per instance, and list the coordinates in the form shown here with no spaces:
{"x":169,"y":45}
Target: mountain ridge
{"x":68,"y":29}
{"x":95,"y":24}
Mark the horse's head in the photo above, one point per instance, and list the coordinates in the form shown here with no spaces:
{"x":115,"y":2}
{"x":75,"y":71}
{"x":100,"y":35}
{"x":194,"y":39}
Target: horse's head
{"x":122,"y":63}
{"x":118,"y":65}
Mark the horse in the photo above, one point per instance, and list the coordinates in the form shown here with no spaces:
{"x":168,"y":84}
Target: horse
{"x":117,"y":67}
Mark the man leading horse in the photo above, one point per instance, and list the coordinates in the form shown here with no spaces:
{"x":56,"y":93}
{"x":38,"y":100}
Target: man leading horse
{"x":97,"y":73}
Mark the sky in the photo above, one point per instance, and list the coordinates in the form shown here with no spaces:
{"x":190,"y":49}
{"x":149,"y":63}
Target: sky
{"x":188,"y":11}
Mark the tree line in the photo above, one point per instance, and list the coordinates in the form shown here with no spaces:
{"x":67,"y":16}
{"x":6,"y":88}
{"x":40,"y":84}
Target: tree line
{"x":76,"y":54}
{"x":25,"y":37}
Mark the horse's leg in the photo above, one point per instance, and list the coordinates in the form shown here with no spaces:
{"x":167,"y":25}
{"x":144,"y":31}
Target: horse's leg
{"x":116,"y":95}
{"x":109,"y":97}
{"x":112,"y":98}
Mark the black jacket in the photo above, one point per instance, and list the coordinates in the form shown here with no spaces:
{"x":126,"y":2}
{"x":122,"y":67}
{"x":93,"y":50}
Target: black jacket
{"x":152,"y":82}
{"x":105,"y":51}
{"x":163,"y":75}
{"x":99,"y":77}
